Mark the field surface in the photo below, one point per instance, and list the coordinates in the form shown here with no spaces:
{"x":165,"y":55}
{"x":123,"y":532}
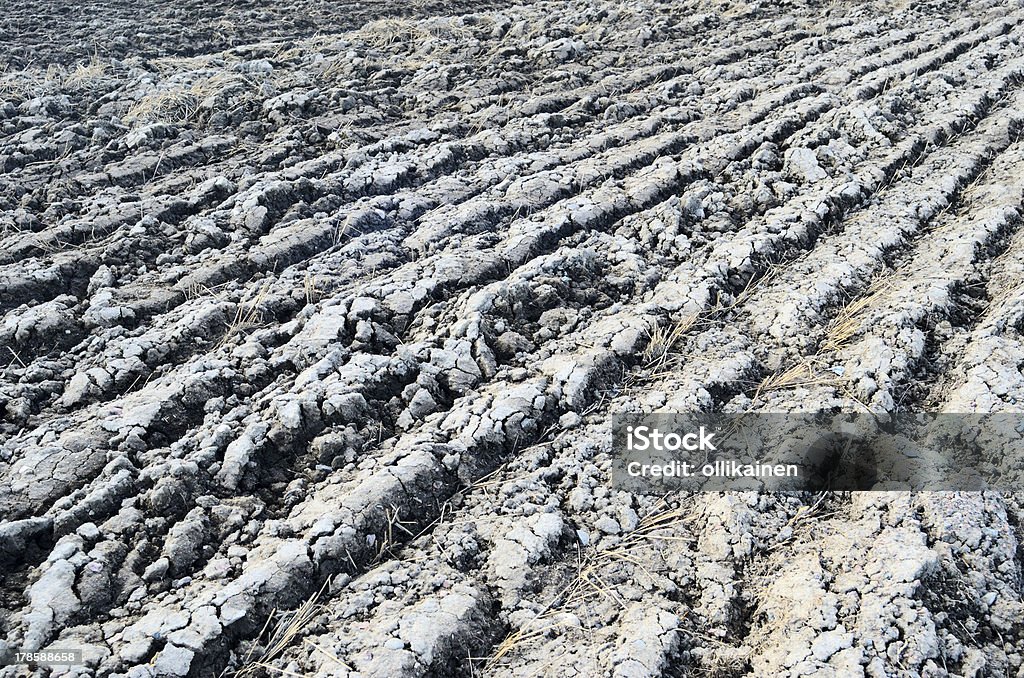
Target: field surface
{"x":312,"y":321}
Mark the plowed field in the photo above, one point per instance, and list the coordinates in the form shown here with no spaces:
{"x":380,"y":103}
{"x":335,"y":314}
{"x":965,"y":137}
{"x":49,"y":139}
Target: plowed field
{"x":309,"y":345}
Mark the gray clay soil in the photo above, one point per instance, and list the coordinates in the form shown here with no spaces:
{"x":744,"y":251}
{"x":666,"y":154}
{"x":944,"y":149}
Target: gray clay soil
{"x":313,"y":320}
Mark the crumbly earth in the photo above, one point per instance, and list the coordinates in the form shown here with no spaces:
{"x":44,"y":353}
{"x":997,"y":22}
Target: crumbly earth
{"x":310,"y":345}
{"x":44,"y":32}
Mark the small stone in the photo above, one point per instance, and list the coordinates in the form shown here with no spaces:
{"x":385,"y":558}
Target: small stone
{"x":156,"y":571}
{"x":628,"y":519}
{"x":236,"y":551}
{"x":804,"y":164}
{"x":363,"y":307}
{"x":173,"y":661}
{"x":569,"y":420}
{"x":828,"y":643}
{"x":88,"y":531}
{"x":422,"y":404}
